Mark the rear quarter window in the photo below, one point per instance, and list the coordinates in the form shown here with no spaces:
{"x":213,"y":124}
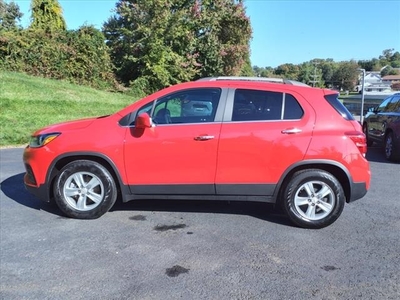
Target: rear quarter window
{"x":334,"y":101}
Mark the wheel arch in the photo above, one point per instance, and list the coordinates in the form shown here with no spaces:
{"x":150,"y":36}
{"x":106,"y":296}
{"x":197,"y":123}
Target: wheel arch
{"x":335,"y":168}
{"x":388,"y":130}
{"x":395,"y":156}
{"x":64,"y":159}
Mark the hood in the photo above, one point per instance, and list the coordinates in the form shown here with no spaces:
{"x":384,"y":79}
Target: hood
{"x":66,"y":126}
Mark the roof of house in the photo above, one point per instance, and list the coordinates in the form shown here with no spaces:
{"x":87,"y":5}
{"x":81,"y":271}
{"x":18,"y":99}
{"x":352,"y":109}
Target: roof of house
{"x":373,"y":74}
{"x":391,"y":77}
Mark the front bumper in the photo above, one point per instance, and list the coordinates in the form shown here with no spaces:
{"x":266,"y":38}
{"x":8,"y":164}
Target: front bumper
{"x":36,"y":162}
{"x":41,"y":191}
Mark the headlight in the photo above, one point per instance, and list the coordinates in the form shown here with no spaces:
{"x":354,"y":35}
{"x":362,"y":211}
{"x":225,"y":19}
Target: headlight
{"x":42,"y":139}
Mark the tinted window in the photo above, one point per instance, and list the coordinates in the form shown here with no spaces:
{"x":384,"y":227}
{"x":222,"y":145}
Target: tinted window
{"x":338,"y":106}
{"x":397,"y":108}
{"x":393,"y":106}
{"x":293,"y":109}
{"x":264,"y":105}
{"x":382,"y":106}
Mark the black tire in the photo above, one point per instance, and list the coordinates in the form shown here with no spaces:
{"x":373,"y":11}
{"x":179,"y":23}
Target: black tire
{"x":365,"y":130}
{"x":84,"y":189}
{"x":304,"y":205}
{"x":391,"y":153}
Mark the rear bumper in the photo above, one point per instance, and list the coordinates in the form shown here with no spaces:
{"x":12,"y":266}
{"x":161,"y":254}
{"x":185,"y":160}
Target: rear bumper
{"x":358,"y":190}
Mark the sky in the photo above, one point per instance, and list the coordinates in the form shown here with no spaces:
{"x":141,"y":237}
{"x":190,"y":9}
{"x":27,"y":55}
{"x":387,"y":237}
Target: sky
{"x":286,"y":31}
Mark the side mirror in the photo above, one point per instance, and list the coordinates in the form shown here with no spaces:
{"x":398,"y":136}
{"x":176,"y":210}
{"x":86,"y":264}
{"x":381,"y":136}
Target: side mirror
{"x":143,"y":121}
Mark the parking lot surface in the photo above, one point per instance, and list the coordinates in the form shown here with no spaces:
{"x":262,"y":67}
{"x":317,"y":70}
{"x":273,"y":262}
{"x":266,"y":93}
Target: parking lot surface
{"x":198,"y":249}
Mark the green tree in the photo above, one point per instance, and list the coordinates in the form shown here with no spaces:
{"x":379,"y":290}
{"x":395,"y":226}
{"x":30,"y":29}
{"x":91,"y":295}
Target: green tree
{"x":346,"y":74}
{"x":388,"y":70}
{"x":10,"y":14}
{"x":247,"y":70}
{"x":289,"y":71}
{"x":395,"y":60}
{"x":311,"y":73}
{"x":156,"y":43}
{"x":47,"y":15}
{"x":79,"y":56}
{"x":223,"y":34}
{"x":328,"y":68}
{"x":386,"y":55}
{"x":263,"y":71}
{"x":370,"y":65}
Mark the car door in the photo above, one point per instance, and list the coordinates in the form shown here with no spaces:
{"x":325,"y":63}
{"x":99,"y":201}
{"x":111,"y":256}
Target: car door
{"x":378,"y":121}
{"x":178,"y":155}
{"x":263,"y":133}
{"x":393,"y":114}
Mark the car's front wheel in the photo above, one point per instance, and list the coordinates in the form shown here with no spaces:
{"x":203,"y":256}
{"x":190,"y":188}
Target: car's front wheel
{"x":313,"y":198}
{"x":85,"y":189}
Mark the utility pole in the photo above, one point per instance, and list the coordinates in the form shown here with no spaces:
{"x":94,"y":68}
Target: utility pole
{"x":362,"y":95}
{"x":315,"y":76}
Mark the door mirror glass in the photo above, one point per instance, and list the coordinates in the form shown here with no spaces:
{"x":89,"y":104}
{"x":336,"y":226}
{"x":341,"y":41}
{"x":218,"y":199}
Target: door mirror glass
{"x":143,"y":121}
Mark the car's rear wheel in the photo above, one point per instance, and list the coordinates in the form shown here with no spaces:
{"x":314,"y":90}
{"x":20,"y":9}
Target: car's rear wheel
{"x":390,"y":150}
{"x":313,"y":198}
{"x":365,"y":130}
{"x":85,"y":190}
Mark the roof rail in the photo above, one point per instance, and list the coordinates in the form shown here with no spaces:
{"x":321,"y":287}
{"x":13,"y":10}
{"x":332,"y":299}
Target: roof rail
{"x":263,"y":79}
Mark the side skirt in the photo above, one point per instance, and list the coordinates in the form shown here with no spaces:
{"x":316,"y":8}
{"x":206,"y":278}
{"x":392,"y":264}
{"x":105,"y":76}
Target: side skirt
{"x":219,"y":192}
{"x":266,"y":199}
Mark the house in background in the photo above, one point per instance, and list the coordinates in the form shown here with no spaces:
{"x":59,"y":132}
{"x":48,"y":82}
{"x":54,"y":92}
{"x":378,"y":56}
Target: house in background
{"x":372,"y":77}
{"x":373,"y":83}
{"x":390,"y":79}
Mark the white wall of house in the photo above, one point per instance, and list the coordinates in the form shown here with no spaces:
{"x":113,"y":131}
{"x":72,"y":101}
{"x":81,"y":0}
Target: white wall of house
{"x":373,"y":77}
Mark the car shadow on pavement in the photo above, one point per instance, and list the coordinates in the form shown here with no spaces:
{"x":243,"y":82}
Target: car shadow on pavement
{"x":13,"y":187}
{"x":263,"y":211}
{"x":376,"y":154}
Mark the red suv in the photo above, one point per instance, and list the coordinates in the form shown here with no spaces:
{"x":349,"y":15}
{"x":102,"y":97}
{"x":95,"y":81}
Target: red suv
{"x":245,"y":139}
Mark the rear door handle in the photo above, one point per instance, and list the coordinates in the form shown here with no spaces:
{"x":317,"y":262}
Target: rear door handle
{"x":291,"y":131}
{"x":203,"y":137}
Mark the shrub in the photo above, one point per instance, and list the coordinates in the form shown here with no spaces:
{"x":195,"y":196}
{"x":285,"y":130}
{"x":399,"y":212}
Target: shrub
{"x":79,"y":56}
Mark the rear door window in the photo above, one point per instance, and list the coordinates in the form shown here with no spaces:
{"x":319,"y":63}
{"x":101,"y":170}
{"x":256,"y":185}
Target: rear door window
{"x":256,"y":105}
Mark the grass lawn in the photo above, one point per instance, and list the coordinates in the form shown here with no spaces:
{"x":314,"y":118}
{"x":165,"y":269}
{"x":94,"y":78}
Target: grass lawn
{"x":28,"y":103}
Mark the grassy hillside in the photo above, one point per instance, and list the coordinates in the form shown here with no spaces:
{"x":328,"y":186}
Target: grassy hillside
{"x":28,"y":103}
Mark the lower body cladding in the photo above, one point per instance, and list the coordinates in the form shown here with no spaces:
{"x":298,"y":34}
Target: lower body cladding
{"x":228,"y":192}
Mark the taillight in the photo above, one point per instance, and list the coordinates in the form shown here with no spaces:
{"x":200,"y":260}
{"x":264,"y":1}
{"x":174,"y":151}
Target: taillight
{"x":359,"y":140}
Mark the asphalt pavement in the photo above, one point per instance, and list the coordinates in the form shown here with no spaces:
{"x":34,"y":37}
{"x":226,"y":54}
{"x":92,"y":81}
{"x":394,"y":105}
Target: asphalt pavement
{"x":198,"y":249}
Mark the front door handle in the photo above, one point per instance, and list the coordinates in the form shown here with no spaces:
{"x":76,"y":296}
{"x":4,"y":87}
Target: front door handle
{"x":203,"y":137}
{"x":291,"y":131}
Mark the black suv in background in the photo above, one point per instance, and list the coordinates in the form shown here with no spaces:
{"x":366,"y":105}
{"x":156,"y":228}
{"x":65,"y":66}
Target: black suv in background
{"x":382,"y":126}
